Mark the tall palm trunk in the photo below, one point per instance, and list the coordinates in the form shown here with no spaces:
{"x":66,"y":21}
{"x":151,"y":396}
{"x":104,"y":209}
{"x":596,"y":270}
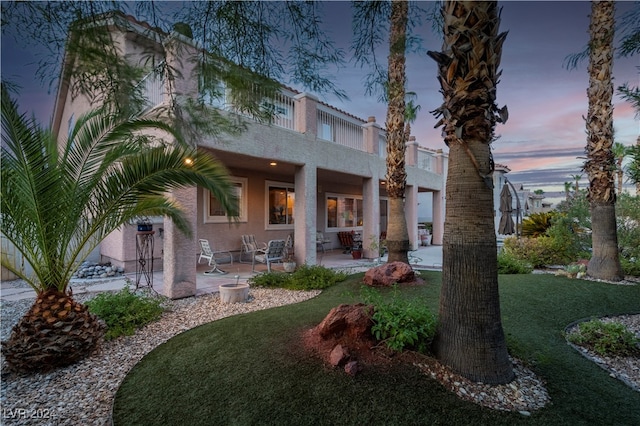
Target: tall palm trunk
{"x":469,"y":337}
{"x":397,"y":233}
{"x":600,"y":164}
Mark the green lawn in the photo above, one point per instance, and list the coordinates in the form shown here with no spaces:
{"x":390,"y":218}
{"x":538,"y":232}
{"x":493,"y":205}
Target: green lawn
{"x":246,"y":369}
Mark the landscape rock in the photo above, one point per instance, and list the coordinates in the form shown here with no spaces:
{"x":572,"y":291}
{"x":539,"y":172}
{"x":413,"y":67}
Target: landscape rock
{"x":353,"y":321}
{"x":388,"y":274}
{"x":339,"y":356}
{"x":352,"y":368}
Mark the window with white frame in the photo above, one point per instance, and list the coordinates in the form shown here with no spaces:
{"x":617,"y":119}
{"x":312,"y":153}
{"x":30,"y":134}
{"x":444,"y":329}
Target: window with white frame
{"x":213,"y":211}
{"x":344,"y":211}
{"x":280,"y":204}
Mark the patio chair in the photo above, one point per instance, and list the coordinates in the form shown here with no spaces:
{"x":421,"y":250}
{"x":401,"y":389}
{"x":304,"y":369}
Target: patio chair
{"x":249,"y":246}
{"x":346,"y":241}
{"x":273,"y":253}
{"x":321,"y":241}
{"x":206,"y":252}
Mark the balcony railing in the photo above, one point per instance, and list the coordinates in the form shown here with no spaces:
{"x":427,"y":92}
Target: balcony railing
{"x":425,"y":159}
{"x":339,"y":128}
{"x":332,"y":125}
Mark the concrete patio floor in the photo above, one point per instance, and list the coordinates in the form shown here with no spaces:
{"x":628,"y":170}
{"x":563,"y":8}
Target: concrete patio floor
{"x":426,"y":257}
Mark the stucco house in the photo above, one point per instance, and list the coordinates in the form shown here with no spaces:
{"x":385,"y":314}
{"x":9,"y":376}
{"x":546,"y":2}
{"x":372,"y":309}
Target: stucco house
{"x":313,"y":168}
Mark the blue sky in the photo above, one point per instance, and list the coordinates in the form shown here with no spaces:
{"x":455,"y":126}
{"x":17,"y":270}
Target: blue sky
{"x":545,"y":133}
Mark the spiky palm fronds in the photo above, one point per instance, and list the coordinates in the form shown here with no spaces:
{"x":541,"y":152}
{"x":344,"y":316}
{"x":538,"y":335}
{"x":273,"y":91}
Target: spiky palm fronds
{"x":59,"y":202}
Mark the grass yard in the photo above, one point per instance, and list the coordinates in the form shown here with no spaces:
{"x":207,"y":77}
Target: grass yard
{"x":248,"y":369}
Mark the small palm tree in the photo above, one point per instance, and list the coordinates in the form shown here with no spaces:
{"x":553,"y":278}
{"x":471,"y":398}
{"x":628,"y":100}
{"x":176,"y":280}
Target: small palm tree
{"x":577,"y":179}
{"x":567,"y":190}
{"x":59,"y":201}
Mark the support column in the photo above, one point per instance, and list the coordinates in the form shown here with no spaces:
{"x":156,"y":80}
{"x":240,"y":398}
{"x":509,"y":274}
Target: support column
{"x":411,"y":155}
{"x":438,"y":207}
{"x":371,"y":207}
{"x":179,"y":250}
{"x":306,"y":204}
{"x":371,"y":131}
{"x":411,"y":214}
{"x":306,"y":112}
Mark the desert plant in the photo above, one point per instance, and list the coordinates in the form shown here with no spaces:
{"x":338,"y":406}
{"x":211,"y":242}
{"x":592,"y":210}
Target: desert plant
{"x":606,"y":338}
{"x":58,"y":201}
{"x":539,"y":252}
{"x":536,"y":224}
{"x":306,"y":277}
{"x":125,"y":311}
{"x":510,"y":264}
{"x":399,"y":323}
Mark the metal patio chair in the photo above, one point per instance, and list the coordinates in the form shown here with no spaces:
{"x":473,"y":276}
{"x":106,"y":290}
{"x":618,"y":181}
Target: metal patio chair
{"x":274,"y":252}
{"x":206,"y":252}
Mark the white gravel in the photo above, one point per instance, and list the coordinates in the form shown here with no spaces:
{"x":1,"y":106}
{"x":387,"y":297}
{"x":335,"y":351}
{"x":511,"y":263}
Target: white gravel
{"x":82,"y":394}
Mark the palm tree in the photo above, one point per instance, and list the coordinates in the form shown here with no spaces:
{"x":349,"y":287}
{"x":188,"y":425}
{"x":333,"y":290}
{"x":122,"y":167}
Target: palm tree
{"x":469,"y":337}
{"x":619,"y":152}
{"x":396,"y":177}
{"x":599,"y":166}
{"x":577,"y":179}
{"x":410,"y":113}
{"x":567,"y":189}
{"x":633,"y":168}
{"x":59,"y":202}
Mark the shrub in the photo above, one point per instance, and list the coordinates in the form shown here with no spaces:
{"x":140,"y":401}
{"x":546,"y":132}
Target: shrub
{"x":510,"y":264}
{"x":539,"y":251}
{"x":605,"y":338}
{"x":537,"y":224}
{"x":306,"y":277}
{"x":125,"y":311}
{"x":399,"y":323}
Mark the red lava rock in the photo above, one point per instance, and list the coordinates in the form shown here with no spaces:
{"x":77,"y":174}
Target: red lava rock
{"x":353,"y":321}
{"x":388,"y":274}
{"x":339,"y":356}
{"x":352,"y":368}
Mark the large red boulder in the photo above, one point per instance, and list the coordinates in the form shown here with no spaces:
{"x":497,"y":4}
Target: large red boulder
{"x":349,"y":321}
{"x":389,"y":274}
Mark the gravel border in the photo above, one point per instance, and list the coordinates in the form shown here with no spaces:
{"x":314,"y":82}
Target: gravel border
{"x":83,"y":393}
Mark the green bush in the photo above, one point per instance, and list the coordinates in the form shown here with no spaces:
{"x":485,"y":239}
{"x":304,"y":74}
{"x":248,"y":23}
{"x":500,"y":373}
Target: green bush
{"x":605,"y":338}
{"x":538,"y":252}
{"x":510,"y":264}
{"x":537,"y":224}
{"x":399,"y":323}
{"x":306,"y":277}
{"x":125,"y":311}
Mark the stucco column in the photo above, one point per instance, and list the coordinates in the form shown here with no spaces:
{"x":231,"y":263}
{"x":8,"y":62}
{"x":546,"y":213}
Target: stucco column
{"x":305,"y":226}
{"x":411,"y":214}
{"x":411,"y":156}
{"x":179,"y":250}
{"x":306,"y":114}
{"x":439,"y":200}
{"x":371,"y":207}
{"x":371,"y":132}
{"x":438,"y":217}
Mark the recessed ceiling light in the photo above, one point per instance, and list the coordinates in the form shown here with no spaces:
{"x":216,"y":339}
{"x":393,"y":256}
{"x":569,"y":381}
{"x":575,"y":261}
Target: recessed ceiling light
{"x":273,"y":163}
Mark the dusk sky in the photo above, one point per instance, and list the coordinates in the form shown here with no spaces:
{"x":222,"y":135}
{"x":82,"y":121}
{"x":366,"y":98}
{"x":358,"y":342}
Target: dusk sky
{"x":545,"y":132}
